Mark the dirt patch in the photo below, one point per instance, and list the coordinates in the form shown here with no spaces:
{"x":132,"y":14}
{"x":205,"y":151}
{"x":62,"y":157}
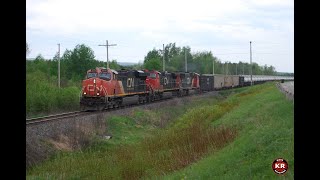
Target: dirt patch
{"x":63,"y":144}
{"x":43,"y":140}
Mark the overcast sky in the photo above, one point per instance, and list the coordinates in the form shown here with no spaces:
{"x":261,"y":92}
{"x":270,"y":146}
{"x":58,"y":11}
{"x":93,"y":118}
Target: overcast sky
{"x":224,"y":27}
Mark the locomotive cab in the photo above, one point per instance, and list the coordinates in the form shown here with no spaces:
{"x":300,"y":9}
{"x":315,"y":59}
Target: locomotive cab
{"x":99,"y":82}
{"x":99,"y":85}
{"x":153,"y":80}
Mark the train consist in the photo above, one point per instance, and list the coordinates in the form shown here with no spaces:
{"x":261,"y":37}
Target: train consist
{"x":105,"y":88}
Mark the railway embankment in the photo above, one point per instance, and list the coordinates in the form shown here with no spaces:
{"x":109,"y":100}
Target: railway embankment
{"x":44,"y":140}
{"x":287,"y":88}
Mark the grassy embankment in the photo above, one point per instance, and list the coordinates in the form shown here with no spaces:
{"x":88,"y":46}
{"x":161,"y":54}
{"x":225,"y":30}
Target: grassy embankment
{"x":233,"y":138}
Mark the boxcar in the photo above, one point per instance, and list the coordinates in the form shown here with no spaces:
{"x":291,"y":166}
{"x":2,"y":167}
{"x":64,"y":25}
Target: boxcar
{"x":209,"y":82}
{"x":206,"y":82}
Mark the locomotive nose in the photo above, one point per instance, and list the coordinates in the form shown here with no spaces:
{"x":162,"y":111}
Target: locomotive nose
{"x":91,"y":87}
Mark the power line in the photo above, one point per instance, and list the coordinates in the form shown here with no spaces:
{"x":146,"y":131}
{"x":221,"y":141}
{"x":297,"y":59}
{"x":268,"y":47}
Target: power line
{"x":107,"y":45}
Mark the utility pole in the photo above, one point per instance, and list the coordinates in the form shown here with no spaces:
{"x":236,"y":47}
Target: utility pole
{"x":163,"y":58}
{"x":223,"y":71}
{"x":243,"y":69}
{"x":107,"y":45}
{"x":251,"y":63}
{"x":213,"y":66}
{"x":227,"y":69}
{"x":59,"y":65}
{"x":236,"y":68}
{"x":185,"y":59}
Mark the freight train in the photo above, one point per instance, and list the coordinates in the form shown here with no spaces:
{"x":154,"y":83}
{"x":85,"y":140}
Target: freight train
{"x":105,"y":88}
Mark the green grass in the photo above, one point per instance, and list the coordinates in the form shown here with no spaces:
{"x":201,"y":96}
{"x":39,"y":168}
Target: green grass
{"x":265,"y":120}
{"x":209,"y":138}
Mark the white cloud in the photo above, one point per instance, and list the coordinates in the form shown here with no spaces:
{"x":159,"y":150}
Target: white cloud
{"x":266,"y":3}
{"x":78,"y":15}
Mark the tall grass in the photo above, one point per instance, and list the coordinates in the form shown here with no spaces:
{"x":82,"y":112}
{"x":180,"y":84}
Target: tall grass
{"x":44,"y":97}
{"x":264,"y":120}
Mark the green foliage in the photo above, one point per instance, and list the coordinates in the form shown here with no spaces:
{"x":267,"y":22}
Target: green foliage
{"x":153,"y":60}
{"x":250,"y":156}
{"x":154,"y":54}
{"x":138,"y":66}
{"x":78,"y":61}
{"x":113,"y":65}
{"x":44,"y":97}
{"x":200,"y":62}
{"x":153,"y":64}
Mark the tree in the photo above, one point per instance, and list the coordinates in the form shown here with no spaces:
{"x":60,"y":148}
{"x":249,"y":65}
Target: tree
{"x":153,"y":60}
{"x":170,"y":51}
{"x":39,"y":58}
{"x":78,"y":61}
{"x":153,"y":64}
{"x":200,"y":62}
{"x":114,"y":65}
{"x":154,"y":54}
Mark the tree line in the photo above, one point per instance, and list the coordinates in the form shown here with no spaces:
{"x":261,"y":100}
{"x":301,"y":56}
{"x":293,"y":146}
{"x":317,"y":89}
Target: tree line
{"x":74,"y":63}
{"x":201,"y":62}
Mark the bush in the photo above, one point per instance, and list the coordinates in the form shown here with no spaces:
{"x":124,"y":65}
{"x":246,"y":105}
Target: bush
{"x":43,"y":96}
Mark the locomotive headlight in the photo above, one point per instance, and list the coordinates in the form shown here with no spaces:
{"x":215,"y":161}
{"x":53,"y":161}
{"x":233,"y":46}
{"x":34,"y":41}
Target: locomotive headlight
{"x":84,"y":93}
{"x":94,"y":81}
{"x":97,"y":94}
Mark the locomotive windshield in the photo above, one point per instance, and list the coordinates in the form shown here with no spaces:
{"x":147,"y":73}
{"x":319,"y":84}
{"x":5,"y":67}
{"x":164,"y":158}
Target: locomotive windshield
{"x":153,"y":75}
{"x":90,"y":75}
{"x":105,"y":76}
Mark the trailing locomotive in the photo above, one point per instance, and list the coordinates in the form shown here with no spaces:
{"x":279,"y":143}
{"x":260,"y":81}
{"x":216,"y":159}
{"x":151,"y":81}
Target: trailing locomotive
{"x":167,"y":84}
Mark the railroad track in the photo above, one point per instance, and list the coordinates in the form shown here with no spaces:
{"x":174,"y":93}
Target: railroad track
{"x":54,"y":117}
{"x":78,"y":113}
